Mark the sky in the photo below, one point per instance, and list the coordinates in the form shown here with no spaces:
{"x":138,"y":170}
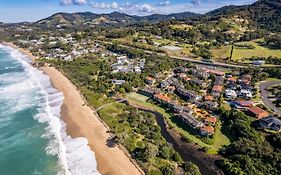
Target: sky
{"x":33,"y":10}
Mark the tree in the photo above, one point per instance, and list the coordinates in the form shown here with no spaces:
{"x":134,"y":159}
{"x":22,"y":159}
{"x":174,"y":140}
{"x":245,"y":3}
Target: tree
{"x":191,"y":169}
{"x":150,"y":152}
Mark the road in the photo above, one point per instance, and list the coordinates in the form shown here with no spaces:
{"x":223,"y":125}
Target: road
{"x":264,"y":94}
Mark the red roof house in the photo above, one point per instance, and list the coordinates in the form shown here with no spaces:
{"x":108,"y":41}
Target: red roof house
{"x":207,"y":130}
{"x":257,"y":112}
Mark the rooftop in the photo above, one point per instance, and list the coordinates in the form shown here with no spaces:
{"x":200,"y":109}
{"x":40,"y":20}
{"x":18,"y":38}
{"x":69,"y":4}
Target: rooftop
{"x":208,"y":129}
{"x":162,"y":97}
{"x":217,"y":88}
{"x":211,"y":119}
{"x":256,"y":110}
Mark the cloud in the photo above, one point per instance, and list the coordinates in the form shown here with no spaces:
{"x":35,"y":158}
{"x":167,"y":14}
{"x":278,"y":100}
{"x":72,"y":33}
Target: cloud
{"x":165,"y":3}
{"x":103,"y":5}
{"x":145,"y":8}
{"x":73,"y":2}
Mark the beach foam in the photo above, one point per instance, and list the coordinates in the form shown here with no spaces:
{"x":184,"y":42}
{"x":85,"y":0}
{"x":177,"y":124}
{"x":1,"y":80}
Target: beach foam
{"x":75,"y":156}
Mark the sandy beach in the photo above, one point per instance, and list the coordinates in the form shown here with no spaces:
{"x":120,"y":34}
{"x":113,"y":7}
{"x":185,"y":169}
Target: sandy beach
{"x":81,"y":121}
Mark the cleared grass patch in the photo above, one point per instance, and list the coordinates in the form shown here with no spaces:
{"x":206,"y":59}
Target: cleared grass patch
{"x":240,"y":53}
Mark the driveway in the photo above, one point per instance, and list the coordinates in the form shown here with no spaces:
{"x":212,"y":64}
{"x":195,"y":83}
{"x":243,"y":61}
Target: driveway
{"x":264,"y":94}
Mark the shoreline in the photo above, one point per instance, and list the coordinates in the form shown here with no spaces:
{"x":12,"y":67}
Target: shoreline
{"x":82,"y":121}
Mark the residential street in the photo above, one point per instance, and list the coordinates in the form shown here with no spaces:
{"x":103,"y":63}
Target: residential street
{"x":264,"y":95}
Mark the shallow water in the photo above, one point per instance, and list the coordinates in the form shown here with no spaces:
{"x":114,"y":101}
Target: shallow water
{"x":32,"y":136}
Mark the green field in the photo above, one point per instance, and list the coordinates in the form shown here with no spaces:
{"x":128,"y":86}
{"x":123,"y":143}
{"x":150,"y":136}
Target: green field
{"x":217,"y":142}
{"x":240,"y":53}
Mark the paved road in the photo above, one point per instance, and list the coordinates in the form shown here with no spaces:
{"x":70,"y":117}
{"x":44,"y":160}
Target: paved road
{"x":264,"y":95}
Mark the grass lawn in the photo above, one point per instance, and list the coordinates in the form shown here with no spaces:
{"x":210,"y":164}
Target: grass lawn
{"x":219,"y":138}
{"x":240,"y":53}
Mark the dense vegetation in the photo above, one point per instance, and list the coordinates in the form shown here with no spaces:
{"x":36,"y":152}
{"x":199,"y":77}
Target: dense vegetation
{"x":251,"y":152}
{"x":139,"y":133}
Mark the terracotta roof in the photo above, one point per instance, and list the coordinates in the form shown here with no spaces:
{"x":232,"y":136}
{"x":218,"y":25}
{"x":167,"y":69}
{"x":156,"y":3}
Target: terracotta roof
{"x":171,"y":87}
{"x":150,"y":78}
{"x":217,"y":88}
{"x":162,"y":97}
{"x":214,"y":72}
{"x":208,"y":98}
{"x":208,"y":129}
{"x":245,"y":103}
{"x":233,"y":79}
{"x":211,"y":119}
{"x":186,"y":78}
{"x":257,"y":111}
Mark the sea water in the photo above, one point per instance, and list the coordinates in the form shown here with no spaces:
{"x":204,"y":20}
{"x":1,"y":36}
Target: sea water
{"x":33,"y":140}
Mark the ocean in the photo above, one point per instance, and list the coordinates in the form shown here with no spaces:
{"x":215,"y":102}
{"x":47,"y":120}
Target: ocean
{"x":33,"y":140}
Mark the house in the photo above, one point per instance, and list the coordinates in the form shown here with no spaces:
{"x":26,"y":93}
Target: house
{"x":149,"y":92}
{"x":245,"y":80}
{"x":149,"y":80}
{"x":118,"y":82}
{"x":177,"y":108}
{"x":257,"y":112}
{"x":208,"y":98}
{"x":189,"y":95}
{"x":246,"y":94}
{"x":243,"y":104}
{"x":171,"y":89}
{"x":217,"y":89}
{"x":162,"y":98}
{"x":271,"y":123}
{"x":187,"y":110}
{"x":198,"y":82}
{"x":219,"y":80}
{"x":231,"y":80}
{"x":217,"y":73}
{"x":210,"y":120}
{"x":199,"y":73}
{"x":230,"y":94}
{"x":164,"y":84}
{"x":212,"y":105}
{"x":189,"y":119}
{"x":186,"y":79}
{"x":207,"y":130}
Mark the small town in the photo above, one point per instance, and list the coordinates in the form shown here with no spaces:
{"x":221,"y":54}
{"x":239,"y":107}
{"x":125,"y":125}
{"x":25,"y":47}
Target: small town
{"x":126,"y":88}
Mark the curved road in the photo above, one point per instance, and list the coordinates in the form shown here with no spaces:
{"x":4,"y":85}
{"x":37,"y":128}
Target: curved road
{"x":264,"y":94}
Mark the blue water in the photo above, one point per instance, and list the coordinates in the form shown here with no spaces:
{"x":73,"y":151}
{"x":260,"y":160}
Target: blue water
{"x":32,"y":136}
